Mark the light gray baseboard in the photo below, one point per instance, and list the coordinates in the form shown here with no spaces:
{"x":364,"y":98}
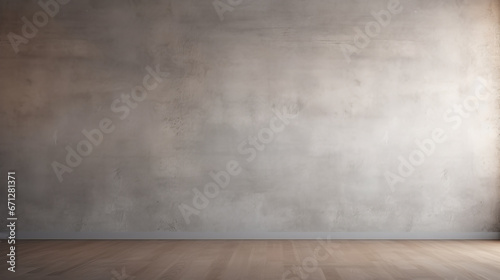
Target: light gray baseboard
{"x":256,"y":235}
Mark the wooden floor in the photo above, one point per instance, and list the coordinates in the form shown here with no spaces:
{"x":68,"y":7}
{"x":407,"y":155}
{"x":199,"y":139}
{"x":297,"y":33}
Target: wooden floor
{"x":265,"y":259}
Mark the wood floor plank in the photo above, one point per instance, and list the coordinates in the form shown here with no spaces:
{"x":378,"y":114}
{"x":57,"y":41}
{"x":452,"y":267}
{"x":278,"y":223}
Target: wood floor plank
{"x":254,"y":259}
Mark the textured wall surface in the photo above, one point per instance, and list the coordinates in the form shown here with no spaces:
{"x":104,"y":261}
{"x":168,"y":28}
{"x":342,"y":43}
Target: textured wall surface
{"x":275,"y":115}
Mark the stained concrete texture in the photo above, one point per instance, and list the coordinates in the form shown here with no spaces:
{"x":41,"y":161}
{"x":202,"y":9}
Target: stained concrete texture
{"x":281,"y":115}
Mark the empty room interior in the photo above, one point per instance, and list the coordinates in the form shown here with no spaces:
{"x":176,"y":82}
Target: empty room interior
{"x":250,"y":139}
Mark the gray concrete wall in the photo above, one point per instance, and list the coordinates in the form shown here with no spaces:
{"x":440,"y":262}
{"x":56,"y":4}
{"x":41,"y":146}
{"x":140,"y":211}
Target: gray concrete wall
{"x":252,"y":115}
